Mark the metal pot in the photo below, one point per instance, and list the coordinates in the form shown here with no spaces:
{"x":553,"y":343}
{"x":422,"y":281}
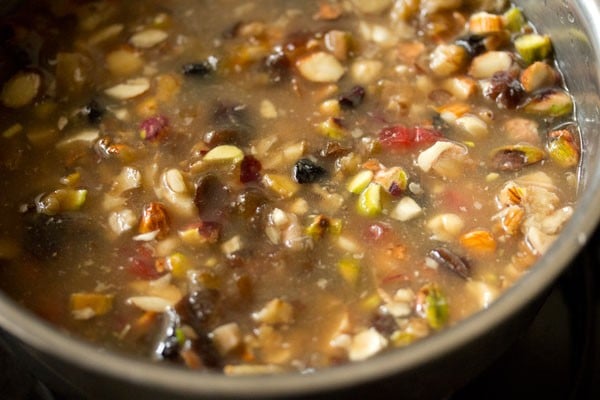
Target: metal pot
{"x":428,"y":369}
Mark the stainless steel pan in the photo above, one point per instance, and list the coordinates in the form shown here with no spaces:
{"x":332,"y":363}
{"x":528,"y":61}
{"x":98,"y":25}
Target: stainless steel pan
{"x":428,"y":369}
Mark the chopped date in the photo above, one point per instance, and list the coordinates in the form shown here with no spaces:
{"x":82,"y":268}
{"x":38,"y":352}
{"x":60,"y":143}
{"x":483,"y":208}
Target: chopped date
{"x":306,"y":171}
{"x":451,"y":261}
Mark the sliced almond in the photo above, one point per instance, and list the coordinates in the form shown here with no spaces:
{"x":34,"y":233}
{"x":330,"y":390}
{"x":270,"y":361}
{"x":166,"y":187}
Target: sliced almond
{"x":151,"y":303}
{"x":130,"y":89}
{"x":148,"y":38}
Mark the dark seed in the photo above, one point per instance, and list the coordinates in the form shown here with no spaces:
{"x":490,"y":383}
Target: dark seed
{"x":306,"y":171}
{"x":474,"y":44}
{"x":250,"y":169}
{"x":200,"y":69}
{"x":451,"y":261}
{"x":93,"y":111}
{"x":353,"y":98}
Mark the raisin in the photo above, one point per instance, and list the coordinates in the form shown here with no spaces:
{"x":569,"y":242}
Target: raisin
{"x":306,"y":171}
{"x":505,"y":89}
{"x":211,"y":197}
{"x":384,"y":324}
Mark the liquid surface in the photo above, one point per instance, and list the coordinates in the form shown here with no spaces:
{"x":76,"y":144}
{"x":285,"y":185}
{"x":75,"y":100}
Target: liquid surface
{"x":279,"y":186}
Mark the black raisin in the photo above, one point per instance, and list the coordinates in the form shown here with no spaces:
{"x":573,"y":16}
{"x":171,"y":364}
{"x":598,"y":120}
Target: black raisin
{"x":93,"y":111}
{"x":306,"y":171}
{"x":353,"y":98}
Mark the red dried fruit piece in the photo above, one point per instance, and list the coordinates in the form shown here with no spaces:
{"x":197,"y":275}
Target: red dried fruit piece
{"x":154,"y":128}
{"x":400,"y":137}
{"x":250,"y":169}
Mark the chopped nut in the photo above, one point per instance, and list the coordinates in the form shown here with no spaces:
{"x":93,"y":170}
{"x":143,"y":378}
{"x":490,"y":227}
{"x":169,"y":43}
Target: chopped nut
{"x":275,"y":312}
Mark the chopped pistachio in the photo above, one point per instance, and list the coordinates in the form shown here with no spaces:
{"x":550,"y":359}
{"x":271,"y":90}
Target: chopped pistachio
{"x":360,"y":181}
{"x":332,"y":128}
{"x":533,"y":47}
{"x":349,"y":269}
{"x":369,"y":201}
{"x":563,"y":149}
{"x":433,"y":306}
{"x":178,"y":264}
{"x":514,"y":19}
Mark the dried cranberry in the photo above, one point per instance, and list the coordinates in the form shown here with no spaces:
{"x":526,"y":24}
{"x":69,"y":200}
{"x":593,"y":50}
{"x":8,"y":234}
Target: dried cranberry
{"x":352,"y":98}
{"x":154,"y":128}
{"x":306,"y":171}
{"x":401,"y":137}
{"x":250,"y":169}
{"x":505,"y":89}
